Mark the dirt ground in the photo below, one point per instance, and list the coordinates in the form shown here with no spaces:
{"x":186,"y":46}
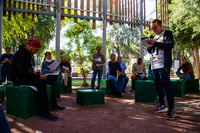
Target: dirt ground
{"x":117,"y":115}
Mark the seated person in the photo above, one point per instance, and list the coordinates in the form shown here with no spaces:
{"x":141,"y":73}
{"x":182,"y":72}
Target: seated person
{"x":22,"y":73}
{"x":138,"y":71}
{"x":50,"y":79}
{"x":123,"y":67}
{"x":114,"y":73}
{"x":65,"y":69}
{"x":187,"y":69}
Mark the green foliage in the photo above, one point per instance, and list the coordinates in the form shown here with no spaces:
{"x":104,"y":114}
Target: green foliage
{"x":17,"y":31}
{"x":82,"y":41}
{"x":123,"y":40}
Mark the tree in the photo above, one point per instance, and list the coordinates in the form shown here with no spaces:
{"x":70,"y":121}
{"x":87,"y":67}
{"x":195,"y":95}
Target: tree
{"x":123,"y":40}
{"x":184,"y":22}
{"x":17,"y":31}
{"x":83,"y":43}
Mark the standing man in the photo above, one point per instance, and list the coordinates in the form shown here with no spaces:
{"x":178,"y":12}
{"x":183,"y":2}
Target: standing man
{"x":187,"y":69}
{"x":5,"y":61}
{"x":97,"y":66}
{"x":161,"y":52}
{"x":22,"y":73}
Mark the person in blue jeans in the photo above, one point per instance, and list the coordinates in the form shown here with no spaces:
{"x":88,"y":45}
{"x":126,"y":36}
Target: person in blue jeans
{"x":187,"y":69}
{"x":161,"y":53}
{"x":98,"y":61}
{"x":6,"y":62}
{"x":123,"y":67}
{"x":115,"y":75}
{"x":4,"y":127}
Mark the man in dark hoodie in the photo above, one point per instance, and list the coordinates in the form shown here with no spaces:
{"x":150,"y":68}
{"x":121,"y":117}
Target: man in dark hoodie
{"x":22,"y":73}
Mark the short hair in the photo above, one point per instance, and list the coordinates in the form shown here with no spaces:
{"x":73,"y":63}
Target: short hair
{"x":47,"y":53}
{"x":98,"y":47}
{"x":119,"y":57}
{"x":159,"y":22}
{"x":8,"y":48}
{"x":139,"y":59}
{"x":112,"y":55}
{"x":62,"y":56}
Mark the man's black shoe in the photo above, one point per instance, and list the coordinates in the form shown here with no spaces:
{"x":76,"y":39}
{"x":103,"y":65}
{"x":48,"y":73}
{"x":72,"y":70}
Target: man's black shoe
{"x":57,"y":108}
{"x":48,"y":117}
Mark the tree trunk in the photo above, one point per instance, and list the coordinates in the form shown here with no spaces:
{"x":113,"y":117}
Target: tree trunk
{"x":84,"y":77}
{"x":197,"y":67}
{"x":193,"y":57}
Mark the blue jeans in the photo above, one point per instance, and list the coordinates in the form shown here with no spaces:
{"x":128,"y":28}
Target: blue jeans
{"x":118,"y":87}
{"x":94,"y":74}
{"x":184,"y":77}
{"x":4,"y":127}
{"x":161,"y":78}
{"x":4,"y":74}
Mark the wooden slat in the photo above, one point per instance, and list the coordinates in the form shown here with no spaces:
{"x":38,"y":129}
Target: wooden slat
{"x":167,"y":14}
{"x":9,"y":12}
{"x":29,"y":5}
{"x":14,"y":6}
{"x":42,"y":7}
{"x":94,"y":14}
{"x":111,"y":11}
{"x":48,"y":7}
{"x":24,"y":7}
{"x":100,"y":5}
{"x":116,"y":9}
{"x":156,"y":10}
{"x":144,"y":14}
{"x":33,"y":8}
{"x":134,"y":11}
{"x":88,"y":7}
{"x":131,"y":13}
{"x":82,"y":7}
{"x":126,"y":10}
{"x":75,"y":11}
{"x":55,"y":7}
{"x":120,"y":11}
{"x":161,"y":10}
{"x":62,"y":9}
{"x":69,"y":6}
{"x":38,"y":7}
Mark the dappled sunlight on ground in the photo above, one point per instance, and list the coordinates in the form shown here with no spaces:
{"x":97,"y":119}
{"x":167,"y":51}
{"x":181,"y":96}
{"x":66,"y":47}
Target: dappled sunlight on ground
{"x":117,"y":115}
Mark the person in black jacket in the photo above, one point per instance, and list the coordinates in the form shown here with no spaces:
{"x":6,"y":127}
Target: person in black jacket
{"x":114,"y":74}
{"x":161,"y":51}
{"x":22,"y":73}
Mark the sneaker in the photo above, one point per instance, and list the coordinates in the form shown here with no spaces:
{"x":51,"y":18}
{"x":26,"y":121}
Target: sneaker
{"x":170,"y":115}
{"x":49,"y":117}
{"x":57,"y":108}
{"x":160,"y":109}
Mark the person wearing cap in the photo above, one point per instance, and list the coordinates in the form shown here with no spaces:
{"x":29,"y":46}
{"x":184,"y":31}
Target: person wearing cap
{"x":5,"y":61}
{"x":22,"y":73}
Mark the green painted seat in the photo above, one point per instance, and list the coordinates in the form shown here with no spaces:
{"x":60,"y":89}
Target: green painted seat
{"x":107,"y":87}
{"x":22,"y":102}
{"x":89,"y":97}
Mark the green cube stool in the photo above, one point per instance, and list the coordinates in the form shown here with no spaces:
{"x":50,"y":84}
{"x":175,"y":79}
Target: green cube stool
{"x":107,"y":87}
{"x":2,"y":91}
{"x":89,"y":97}
{"x":192,"y":85}
{"x":145,"y":91}
{"x":22,"y":102}
{"x":178,"y":88}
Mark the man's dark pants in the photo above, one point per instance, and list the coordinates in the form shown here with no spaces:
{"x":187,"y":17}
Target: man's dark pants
{"x":162,"y":81}
{"x":42,"y":91}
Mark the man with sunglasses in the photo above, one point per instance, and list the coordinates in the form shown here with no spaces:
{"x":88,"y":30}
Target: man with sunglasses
{"x":161,"y":52}
{"x":97,"y":66}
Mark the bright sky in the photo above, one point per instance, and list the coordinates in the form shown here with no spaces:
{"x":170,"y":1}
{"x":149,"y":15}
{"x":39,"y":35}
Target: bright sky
{"x":150,"y":13}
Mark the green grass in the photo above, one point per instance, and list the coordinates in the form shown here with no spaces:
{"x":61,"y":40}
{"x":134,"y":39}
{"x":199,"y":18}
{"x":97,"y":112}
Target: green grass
{"x":78,"y":83}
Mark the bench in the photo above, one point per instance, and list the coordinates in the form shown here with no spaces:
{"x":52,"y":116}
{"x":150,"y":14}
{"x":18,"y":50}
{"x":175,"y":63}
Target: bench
{"x":22,"y":102}
{"x":89,"y":97}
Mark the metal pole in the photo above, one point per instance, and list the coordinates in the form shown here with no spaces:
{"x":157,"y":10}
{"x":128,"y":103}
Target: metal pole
{"x":141,"y":29}
{"x":58,"y":18}
{"x":104,"y":37}
{"x":1,"y":26}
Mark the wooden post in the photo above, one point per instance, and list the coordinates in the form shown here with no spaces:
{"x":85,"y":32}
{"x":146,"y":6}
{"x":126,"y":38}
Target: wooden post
{"x":82,"y":7}
{"x":100,"y":5}
{"x":33,"y":8}
{"x":9,"y":12}
{"x":14,"y":6}
{"x":111,"y":11}
{"x":69,"y":6}
{"x":75,"y":10}
{"x":94,"y":14}
{"x":88,"y":7}
{"x":62,"y":9}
